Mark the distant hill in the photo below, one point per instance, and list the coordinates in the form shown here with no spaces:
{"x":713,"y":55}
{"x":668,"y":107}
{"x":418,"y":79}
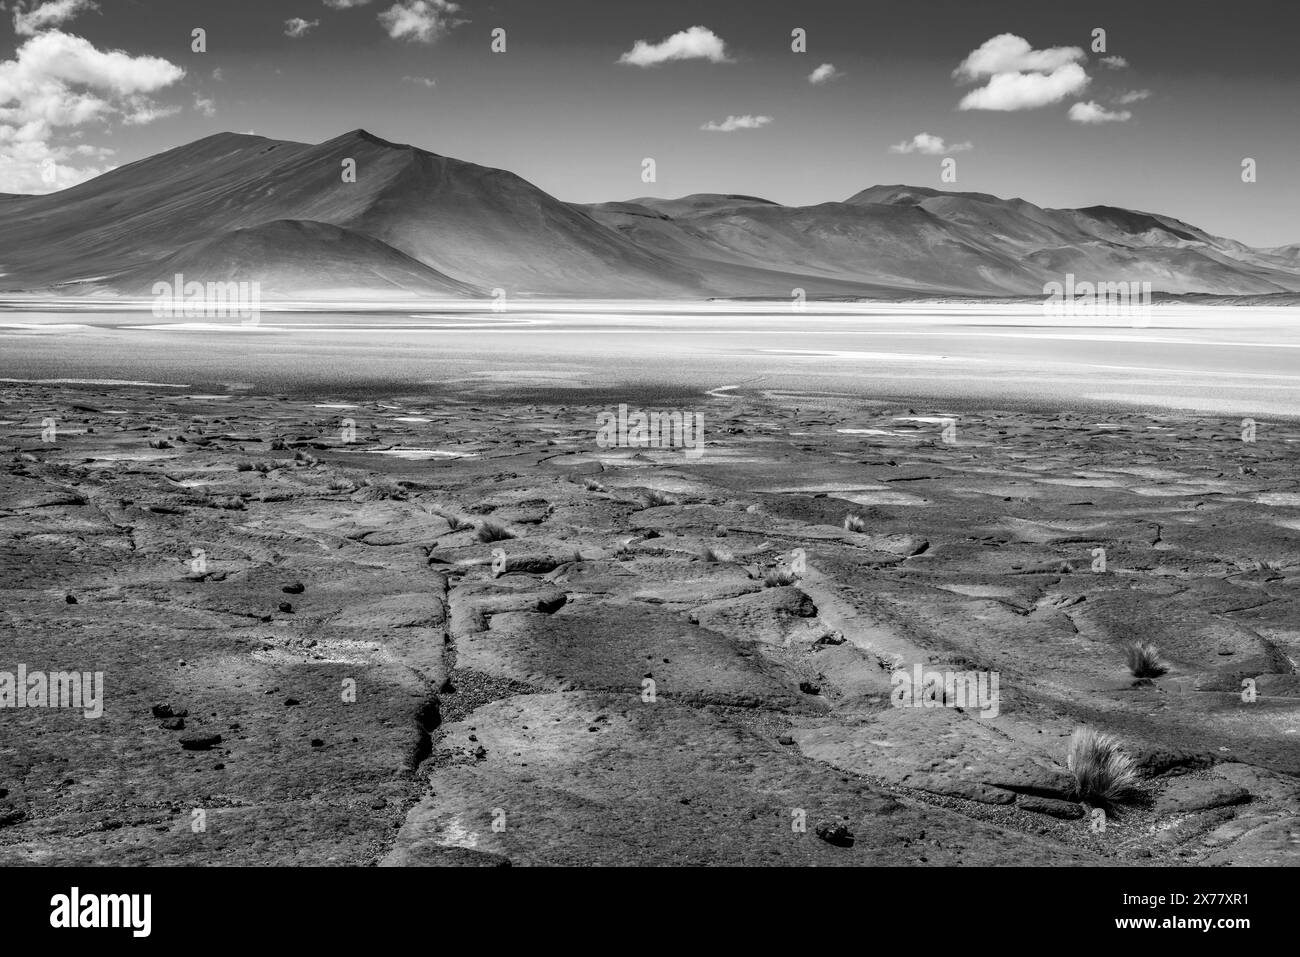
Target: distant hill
{"x":231,"y":207}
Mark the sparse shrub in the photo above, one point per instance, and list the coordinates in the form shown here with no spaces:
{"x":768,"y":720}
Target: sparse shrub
{"x":244,"y":467}
{"x":591,"y":485}
{"x":232,"y":503}
{"x":1144,"y":660}
{"x":854,"y":523}
{"x":654,"y":498}
{"x":1103,"y":774}
{"x":341,"y":485}
{"x":714,"y":555}
{"x":779,"y":576}
{"x":490,"y":531}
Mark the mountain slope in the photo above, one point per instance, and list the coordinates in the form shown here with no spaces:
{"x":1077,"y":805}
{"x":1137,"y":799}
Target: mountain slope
{"x":413,"y":223}
{"x":481,"y":226}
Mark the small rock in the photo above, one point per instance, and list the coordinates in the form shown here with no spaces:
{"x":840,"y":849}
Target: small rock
{"x":291,"y":702}
{"x":70,"y":599}
{"x":286,"y":607}
{"x":785,"y":739}
{"x":199,"y":741}
{"x":808,"y":687}
{"x":317,"y":743}
{"x":1199,"y":794}
{"x":1065,"y":810}
{"x":173,"y":724}
{"x":297,"y":588}
{"x":837,"y":834}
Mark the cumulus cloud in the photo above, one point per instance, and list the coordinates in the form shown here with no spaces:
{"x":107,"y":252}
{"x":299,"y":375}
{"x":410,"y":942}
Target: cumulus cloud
{"x":1026,"y":91}
{"x":1008,"y":53}
{"x":345,"y":4}
{"x":1092,"y":113}
{"x":1132,"y":96}
{"x":33,"y":17}
{"x":697,"y":43}
{"x":1018,"y":77}
{"x":298,"y":27}
{"x":205,"y":105}
{"x":54,"y":84}
{"x":824,"y":74}
{"x":1114,"y":62}
{"x":733,"y":123}
{"x":930,"y":145}
{"x":420,"y":21}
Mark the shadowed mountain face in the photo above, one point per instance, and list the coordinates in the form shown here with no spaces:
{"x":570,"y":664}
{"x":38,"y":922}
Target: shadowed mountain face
{"x":244,"y":208}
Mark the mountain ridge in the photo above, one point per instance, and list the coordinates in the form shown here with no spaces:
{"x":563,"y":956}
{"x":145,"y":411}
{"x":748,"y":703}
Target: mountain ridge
{"x":414,"y":222}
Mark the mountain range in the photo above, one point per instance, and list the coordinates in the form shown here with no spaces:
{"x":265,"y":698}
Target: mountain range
{"x":413,"y":224}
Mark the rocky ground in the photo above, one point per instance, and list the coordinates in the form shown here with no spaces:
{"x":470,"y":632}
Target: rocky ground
{"x":311,"y":654}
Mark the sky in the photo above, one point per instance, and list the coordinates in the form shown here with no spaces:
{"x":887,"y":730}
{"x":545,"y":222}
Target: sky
{"x":1019,"y":98}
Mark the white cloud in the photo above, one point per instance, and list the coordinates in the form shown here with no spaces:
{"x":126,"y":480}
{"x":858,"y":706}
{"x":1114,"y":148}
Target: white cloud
{"x":298,"y":27}
{"x":345,"y":4}
{"x":1008,"y":53}
{"x":1018,"y":77}
{"x":1132,"y":96}
{"x":930,"y":145}
{"x":421,"y":80}
{"x":1092,"y":113}
{"x":824,"y":74}
{"x":733,"y":123}
{"x":422,"y":21}
{"x":33,"y":17}
{"x":1026,"y":91}
{"x":57,"y":82}
{"x":205,"y":105}
{"x":697,"y":43}
{"x":218,"y":74}
{"x":1114,"y":62}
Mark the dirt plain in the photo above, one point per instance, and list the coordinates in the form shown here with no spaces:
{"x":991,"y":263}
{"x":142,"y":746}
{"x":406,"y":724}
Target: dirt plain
{"x":311,"y":656}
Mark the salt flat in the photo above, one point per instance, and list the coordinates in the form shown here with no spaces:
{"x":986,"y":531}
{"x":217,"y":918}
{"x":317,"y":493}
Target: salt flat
{"x":1229,"y":360}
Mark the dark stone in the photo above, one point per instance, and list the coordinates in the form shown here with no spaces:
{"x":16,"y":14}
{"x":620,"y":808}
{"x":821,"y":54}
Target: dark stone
{"x":837,"y":834}
{"x":808,"y":687}
{"x":173,"y":724}
{"x":199,"y":741}
{"x":1065,"y":810}
{"x":297,"y":588}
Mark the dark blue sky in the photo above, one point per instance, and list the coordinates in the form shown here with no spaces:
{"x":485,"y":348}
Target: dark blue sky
{"x":1204,"y":84}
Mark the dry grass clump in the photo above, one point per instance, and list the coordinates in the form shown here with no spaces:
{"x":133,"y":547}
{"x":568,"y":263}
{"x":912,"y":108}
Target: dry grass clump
{"x":854,"y":523}
{"x":591,"y":485}
{"x":715,"y":555}
{"x":654,"y":497}
{"x":490,"y":531}
{"x":1143,"y":660}
{"x":1103,"y":774}
{"x":779,"y":576}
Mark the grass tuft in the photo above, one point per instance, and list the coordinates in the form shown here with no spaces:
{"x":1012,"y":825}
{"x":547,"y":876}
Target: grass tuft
{"x":854,"y":523}
{"x":1103,"y":774}
{"x":779,"y":577}
{"x":1144,"y":660}
{"x":490,"y":531}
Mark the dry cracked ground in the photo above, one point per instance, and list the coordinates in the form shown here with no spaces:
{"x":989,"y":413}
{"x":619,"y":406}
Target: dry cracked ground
{"x":311,"y":655}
